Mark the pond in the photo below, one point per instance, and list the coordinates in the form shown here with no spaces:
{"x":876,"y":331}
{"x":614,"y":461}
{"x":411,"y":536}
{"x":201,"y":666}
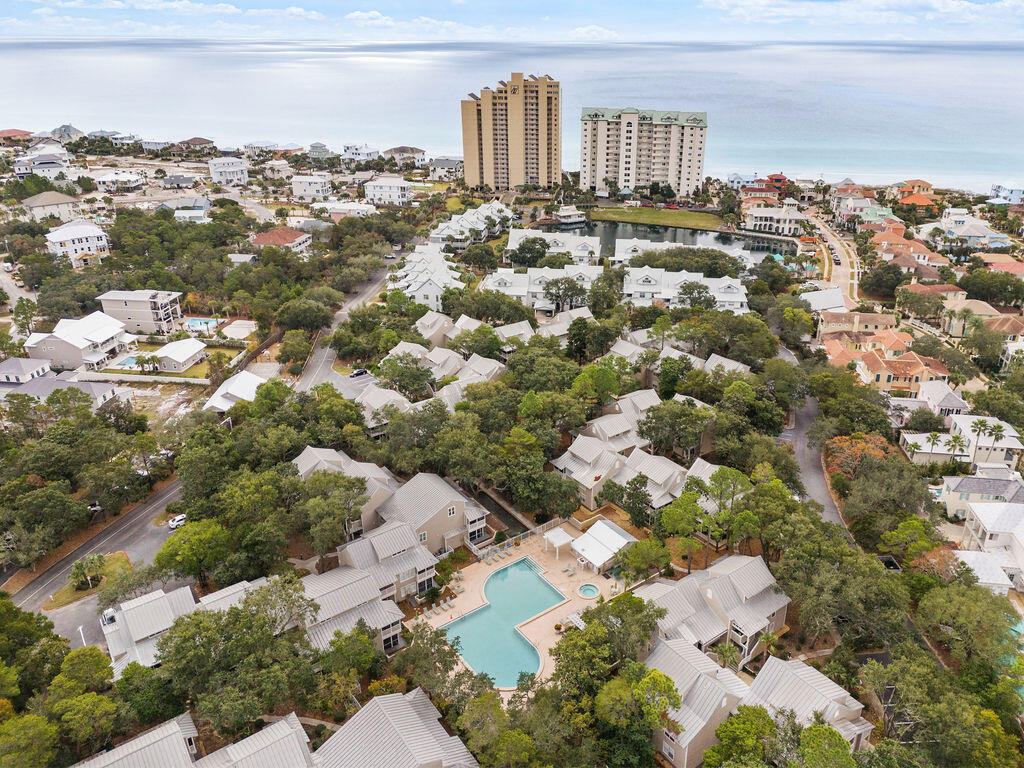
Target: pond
{"x":748,"y":248}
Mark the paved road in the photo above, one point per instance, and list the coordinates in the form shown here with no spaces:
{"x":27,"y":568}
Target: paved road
{"x":847,"y":274}
{"x":809,"y":459}
{"x":320,"y":367}
{"x":134,"y":533}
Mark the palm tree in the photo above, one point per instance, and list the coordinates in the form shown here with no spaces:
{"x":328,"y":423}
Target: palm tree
{"x":912,"y":448}
{"x":997,"y":432}
{"x":957,"y":444}
{"x":770,"y":641}
{"x":727,"y":653}
{"x":978,"y":428}
{"x":933,"y":439}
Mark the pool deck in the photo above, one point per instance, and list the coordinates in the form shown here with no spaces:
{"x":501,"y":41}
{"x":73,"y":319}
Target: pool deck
{"x":539,"y":630}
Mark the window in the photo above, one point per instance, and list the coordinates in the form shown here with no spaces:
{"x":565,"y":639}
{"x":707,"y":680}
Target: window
{"x":667,"y":748}
{"x":423,"y":536}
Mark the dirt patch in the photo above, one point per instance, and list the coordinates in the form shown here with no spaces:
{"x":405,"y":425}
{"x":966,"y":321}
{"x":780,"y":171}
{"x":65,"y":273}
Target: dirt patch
{"x":24,"y":576}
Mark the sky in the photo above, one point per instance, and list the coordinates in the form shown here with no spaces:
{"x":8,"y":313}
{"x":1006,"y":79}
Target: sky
{"x":532,"y":20}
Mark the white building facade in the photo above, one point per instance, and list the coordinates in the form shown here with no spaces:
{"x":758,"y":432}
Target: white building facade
{"x":632,"y":147}
{"x":229,"y":171}
{"x":388,"y":190}
{"x":80,"y":242}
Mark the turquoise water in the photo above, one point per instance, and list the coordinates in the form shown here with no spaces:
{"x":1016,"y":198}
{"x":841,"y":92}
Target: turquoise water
{"x":201,"y":324}
{"x":490,"y":641}
{"x":128,"y":362}
{"x":589,"y":590}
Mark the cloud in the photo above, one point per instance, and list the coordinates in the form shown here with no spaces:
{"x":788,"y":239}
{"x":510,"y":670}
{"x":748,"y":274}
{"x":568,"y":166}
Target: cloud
{"x":292,"y":11}
{"x":883,"y":13}
{"x":370,"y":19}
{"x":592,"y":32}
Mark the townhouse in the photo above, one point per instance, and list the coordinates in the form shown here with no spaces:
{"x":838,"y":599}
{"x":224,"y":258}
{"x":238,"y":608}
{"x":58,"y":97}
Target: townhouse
{"x":628,"y":249}
{"x":857,"y":322}
{"x":473,"y":226}
{"x":398,"y":564}
{"x":708,"y":694}
{"x":441,"y":517}
{"x":969,"y":440}
{"x":91,"y":341}
{"x":433,"y":326}
{"x":529,"y":287}
{"x":736,"y":600}
{"x":653,"y":286}
{"x":425,"y":275}
{"x":582,"y":249}
{"x":958,"y":313}
{"x":80,"y":242}
{"x":144,"y":310}
{"x":794,"y":686}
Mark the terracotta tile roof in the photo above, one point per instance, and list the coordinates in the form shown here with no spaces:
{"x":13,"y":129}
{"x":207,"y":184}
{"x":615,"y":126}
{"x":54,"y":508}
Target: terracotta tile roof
{"x":934,"y":288}
{"x":917,"y":183}
{"x":922,"y":201}
{"x":13,"y":133}
{"x":1008,"y":267}
{"x":1008,"y":324}
{"x":278,"y":236}
{"x":892,"y":341}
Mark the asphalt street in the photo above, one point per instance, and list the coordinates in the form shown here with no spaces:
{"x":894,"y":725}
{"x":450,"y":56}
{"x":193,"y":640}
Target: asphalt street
{"x":134,"y":533}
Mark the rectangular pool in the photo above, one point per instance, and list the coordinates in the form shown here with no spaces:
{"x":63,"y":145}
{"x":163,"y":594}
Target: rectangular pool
{"x":201,"y":324}
{"x":488,"y":638}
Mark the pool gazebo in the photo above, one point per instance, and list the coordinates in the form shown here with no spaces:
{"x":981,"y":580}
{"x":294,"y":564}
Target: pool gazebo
{"x":597,"y":547}
{"x":557,"y":537}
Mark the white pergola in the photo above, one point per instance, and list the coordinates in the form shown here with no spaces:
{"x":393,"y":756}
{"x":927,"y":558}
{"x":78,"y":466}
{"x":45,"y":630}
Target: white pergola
{"x":556,"y":537}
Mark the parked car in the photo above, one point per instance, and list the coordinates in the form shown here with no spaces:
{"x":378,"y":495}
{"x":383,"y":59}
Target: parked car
{"x":8,"y":267}
{"x":357,"y":373}
{"x":672,"y":207}
{"x":176,"y":522}
{"x":647,"y":204}
{"x":95,"y":507}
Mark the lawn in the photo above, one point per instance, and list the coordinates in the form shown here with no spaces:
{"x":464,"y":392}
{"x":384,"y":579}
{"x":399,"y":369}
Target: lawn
{"x":116,"y":561}
{"x":454,"y":204}
{"x":661,"y":217}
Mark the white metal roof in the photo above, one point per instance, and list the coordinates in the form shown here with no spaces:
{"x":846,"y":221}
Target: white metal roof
{"x":601,"y":541}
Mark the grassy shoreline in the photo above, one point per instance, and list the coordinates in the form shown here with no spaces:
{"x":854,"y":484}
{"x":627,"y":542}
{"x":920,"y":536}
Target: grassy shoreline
{"x":659,"y":217}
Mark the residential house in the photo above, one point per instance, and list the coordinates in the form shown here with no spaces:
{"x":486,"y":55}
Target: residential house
{"x":342,"y":210}
{"x":989,"y":483}
{"x":191,"y":203}
{"x":736,"y":600}
{"x":81,"y":242}
{"x":144,"y":310}
{"x":826,"y":300}
{"x":590,"y":464}
{"x":665,"y":478}
{"x":945,"y":290}
{"x":195,"y":145}
{"x":445,"y":168}
{"x":172,"y":744}
{"x":708,"y":695}
{"x":433,"y":326}
{"x":736,"y":181}
{"x":558,"y":327}
{"x":473,"y":226}
{"x":725,"y":365}
{"x":316,"y":186}
{"x":616,"y":432}
{"x":284,"y":237}
{"x":18,"y":370}
{"x":627,"y":250}
{"x":388,"y":190}
{"x":256,"y":148}
{"x":240,"y":387}
{"x":91,"y":341}
{"x":48,"y":164}
{"x":647,"y":286}
{"x":973,"y":449}
{"x":376,"y":403}
{"x":958,"y":225}
{"x":529,"y":288}
{"x":397,"y":730}
{"x":1011,"y":328}
{"x":398,"y":565}
{"x":958,"y":313}
{"x":514,"y":333}
{"x":380,"y":483}
{"x":179,"y":356}
{"x":359,"y":153}
{"x":942,"y":400}
{"x":780,"y":220}
{"x":178,"y":181}
{"x":442,"y":517}
{"x":1007,"y":194}
{"x":406,"y":154}
{"x":41,"y":387}
{"x":229,"y":171}
{"x":570,"y":215}
{"x":47,"y":204}
{"x":832,"y":322}
{"x":792,"y":685}
{"x":899,"y":376}
{"x":582,"y":249}
{"x":997,"y":527}
{"x":987,"y":568}
{"x":425,"y":275}
{"x":120,"y":181}
{"x":319,"y":151}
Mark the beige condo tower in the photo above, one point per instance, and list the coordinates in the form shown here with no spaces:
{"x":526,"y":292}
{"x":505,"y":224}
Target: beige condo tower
{"x":512,"y":135}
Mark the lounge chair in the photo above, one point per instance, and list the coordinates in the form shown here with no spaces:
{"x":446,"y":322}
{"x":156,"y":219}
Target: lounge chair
{"x":572,"y":571}
{"x":459,"y":588}
{"x":429,"y":610}
{"x":566,"y":568}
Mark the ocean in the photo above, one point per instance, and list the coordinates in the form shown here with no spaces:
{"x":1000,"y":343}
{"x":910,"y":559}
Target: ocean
{"x":876,"y":112}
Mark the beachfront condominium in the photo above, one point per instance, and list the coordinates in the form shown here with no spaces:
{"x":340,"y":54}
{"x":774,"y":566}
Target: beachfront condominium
{"x":512,"y":134}
{"x":629,"y":148}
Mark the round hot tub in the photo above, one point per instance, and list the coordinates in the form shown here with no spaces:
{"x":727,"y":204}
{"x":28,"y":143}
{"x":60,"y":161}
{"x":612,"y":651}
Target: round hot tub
{"x":589,"y":591}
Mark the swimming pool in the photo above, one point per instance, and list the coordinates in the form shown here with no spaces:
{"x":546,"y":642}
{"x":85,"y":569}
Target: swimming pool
{"x":128,"y":362}
{"x":490,"y":642}
{"x":202,"y":324}
{"x":589,"y":590}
